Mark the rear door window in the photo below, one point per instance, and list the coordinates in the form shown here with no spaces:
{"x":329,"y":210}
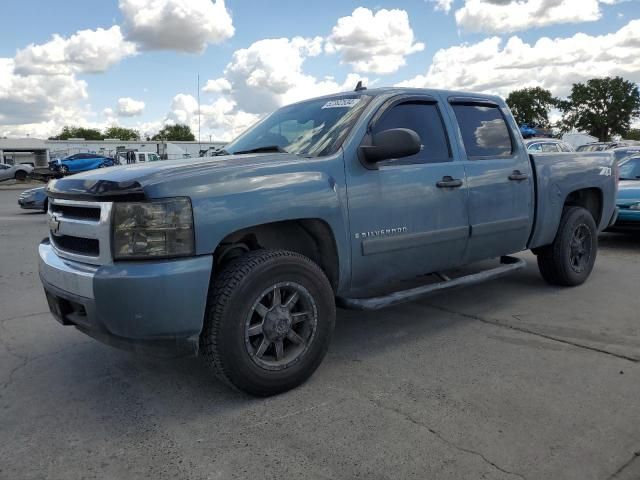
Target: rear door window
{"x":425,"y":120}
{"x":484,"y":131}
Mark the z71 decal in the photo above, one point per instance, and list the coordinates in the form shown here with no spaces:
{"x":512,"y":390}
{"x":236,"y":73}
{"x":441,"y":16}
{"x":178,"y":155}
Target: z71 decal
{"x":605,"y":171}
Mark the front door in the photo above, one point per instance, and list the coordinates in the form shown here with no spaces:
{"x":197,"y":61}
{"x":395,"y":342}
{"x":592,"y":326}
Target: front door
{"x":499,"y":178}
{"x":408,"y":216}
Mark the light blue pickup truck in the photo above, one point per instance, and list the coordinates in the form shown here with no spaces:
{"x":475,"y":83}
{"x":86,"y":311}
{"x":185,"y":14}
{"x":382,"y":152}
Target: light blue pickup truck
{"x":242,"y":257}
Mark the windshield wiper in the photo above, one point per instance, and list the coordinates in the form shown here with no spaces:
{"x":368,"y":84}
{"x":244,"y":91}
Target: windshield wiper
{"x":266,"y":149}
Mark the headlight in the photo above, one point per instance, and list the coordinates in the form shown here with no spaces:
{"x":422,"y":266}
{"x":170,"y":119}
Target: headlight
{"x":155,"y":229}
{"x":635,"y":206}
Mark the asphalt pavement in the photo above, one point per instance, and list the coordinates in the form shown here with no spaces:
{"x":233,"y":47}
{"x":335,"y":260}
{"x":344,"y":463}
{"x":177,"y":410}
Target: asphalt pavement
{"x":511,"y":379}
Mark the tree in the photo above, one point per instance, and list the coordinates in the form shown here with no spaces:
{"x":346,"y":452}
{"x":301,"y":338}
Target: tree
{"x":632,"y":134}
{"x":531,"y":105}
{"x":122,"y":133}
{"x":602,"y":107}
{"x":174,"y":133}
{"x":78,"y":132}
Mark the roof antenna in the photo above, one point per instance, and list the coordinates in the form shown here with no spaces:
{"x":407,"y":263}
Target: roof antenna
{"x":359,"y":87}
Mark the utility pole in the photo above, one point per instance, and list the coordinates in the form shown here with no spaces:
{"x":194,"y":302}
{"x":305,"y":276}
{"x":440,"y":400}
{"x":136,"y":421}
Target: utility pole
{"x":199,"y":141}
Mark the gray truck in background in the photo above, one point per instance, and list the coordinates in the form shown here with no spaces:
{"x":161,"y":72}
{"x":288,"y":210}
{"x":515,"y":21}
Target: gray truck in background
{"x":242,"y":257}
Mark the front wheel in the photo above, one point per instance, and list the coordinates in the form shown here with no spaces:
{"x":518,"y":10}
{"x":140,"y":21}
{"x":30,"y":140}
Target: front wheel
{"x":271,"y":315}
{"x":64,"y":169}
{"x":569,"y":260}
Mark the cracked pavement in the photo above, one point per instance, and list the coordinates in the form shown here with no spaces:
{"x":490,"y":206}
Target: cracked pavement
{"x":512,"y":379}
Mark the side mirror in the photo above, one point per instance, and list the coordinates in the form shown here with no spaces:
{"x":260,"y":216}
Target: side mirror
{"x":392,"y":143}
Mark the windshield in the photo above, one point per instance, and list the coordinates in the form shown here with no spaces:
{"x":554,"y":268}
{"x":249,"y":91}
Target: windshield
{"x":315,"y":128}
{"x":630,"y":170}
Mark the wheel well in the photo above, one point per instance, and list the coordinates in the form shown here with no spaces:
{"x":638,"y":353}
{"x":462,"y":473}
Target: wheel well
{"x":312,"y":238}
{"x":589,"y":199}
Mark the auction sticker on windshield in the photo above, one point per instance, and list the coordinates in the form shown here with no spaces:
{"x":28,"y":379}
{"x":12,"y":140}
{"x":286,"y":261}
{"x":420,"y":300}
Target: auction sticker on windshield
{"x":341,"y":103}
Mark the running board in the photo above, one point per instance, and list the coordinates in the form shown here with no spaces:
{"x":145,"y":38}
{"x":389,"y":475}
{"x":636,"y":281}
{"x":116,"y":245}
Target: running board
{"x":508,"y":265}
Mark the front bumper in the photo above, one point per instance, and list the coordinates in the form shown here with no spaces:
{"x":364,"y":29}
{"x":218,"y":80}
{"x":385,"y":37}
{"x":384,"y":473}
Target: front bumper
{"x":157,"y":307}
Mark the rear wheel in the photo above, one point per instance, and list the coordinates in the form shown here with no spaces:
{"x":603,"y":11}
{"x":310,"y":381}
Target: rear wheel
{"x":270,"y":319}
{"x":21,"y":175}
{"x":569,"y":260}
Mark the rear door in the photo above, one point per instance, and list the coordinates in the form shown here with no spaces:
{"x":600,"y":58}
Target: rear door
{"x":499,"y":177}
{"x":408,"y":215}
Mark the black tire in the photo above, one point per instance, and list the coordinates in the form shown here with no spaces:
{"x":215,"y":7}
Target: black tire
{"x":45,"y":206}
{"x":21,"y":175}
{"x":233,"y":297}
{"x":562,"y":263}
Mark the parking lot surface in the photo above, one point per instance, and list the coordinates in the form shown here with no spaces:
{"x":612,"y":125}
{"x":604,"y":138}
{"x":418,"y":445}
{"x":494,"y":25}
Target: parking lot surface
{"x":512,"y":379}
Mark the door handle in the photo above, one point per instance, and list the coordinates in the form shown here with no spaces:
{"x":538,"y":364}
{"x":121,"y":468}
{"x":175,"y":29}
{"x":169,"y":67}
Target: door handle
{"x":518,"y":176}
{"x":449,"y":182}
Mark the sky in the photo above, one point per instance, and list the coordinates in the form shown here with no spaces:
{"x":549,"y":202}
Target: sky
{"x":135,"y":63}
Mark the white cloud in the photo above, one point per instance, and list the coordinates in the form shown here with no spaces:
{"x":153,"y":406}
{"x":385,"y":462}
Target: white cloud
{"x":183,"y":25}
{"x":259,"y":79}
{"x":218,"y":85}
{"x":504,"y":16}
{"x":268,"y":74}
{"x":37,"y":103}
{"x":442,"y":5}
{"x":496,"y":67}
{"x":374,"y":42}
{"x":128,"y":107}
{"x":87,"y":51}
{"x":221,"y":118}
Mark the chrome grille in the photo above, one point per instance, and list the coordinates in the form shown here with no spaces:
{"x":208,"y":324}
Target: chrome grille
{"x":80,"y":230}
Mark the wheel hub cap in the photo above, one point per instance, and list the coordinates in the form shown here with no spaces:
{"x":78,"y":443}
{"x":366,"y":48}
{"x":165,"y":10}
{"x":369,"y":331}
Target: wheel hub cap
{"x":580,"y":249}
{"x":280,"y":326}
{"x":277,"y":323}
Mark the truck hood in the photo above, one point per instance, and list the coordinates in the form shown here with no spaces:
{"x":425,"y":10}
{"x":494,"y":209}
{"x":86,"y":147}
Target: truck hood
{"x":628,"y":192}
{"x":131,"y":180}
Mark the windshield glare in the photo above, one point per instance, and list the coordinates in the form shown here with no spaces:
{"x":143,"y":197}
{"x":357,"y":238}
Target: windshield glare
{"x":314,"y":128}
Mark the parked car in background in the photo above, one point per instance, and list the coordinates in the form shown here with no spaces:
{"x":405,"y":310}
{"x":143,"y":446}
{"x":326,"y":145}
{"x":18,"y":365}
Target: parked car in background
{"x":621,"y":153}
{"x":34,"y":199}
{"x":600,"y":146}
{"x":628,"y":199}
{"x":15,"y":172}
{"x":547,"y":145}
{"x":80,"y":162}
{"x":530,"y":131}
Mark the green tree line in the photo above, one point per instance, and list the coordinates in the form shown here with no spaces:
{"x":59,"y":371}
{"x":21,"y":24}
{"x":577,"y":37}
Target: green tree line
{"x":602,"y":107}
{"x":170,"y":133}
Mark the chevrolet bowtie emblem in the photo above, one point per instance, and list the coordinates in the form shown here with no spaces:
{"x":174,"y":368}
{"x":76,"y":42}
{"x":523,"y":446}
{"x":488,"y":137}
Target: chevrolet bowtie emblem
{"x":54,"y":224}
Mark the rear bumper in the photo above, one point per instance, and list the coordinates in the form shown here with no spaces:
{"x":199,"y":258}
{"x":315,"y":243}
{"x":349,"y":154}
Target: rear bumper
{"x":153,"y":307}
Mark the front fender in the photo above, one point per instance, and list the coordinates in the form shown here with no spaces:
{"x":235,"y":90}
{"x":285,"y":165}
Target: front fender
{"x":313,"y":189}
